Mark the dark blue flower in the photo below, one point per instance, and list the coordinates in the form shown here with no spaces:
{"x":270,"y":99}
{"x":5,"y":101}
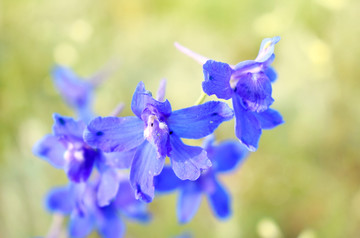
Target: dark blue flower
{"x":248,"y":84}
{"x":225,"y":157}
{"x":155,"y":132}
{"x":79,"y":202}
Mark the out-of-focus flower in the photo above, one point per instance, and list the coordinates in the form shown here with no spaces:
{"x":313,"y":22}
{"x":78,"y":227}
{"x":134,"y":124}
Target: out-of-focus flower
{"x":248,"y":84}
{"x":225,"y":157}
{"x":79,"y":202}
{"x":155,"y":132}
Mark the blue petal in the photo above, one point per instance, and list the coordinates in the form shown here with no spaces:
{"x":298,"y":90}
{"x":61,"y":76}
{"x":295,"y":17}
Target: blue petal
{"x":115,"y":133}
{"x":217,"y":79}
{"x":220,"y":201}
{"x":255,"y":90}
{"x":269,"y":118}
{"x":51,"y":150}
{"x":66,"y":128}
{"x":271,"y":74}
{"x":142,"y":98}
{"x":247,"y":126}
{"x":81,"y":224}
{"x":166,"y":181}
{"x":76,"y":93}
{"x":145,"y":166}
{"x":127,"y":203}
{"x":61,"y":200}
{"x":205,"y":118}
{"x":79,"y":169}
{"x":111,"y":226}
{"x":187,"y":161}
{"x":108,"y":187}
{"x":120,"y":160}
{"x":227,"y":155}
{"x":267,"y":48}
{"x":189,"y":202}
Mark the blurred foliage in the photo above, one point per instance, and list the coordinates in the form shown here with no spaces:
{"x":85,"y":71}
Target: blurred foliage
{"x":304,"y":179}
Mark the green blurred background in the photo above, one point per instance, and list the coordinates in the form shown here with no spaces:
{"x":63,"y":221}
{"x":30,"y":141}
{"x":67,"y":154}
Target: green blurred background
{"x":303,"y":181}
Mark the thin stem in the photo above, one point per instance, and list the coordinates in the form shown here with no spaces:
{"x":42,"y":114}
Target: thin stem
{"x":56,"y":226}
{"x":201,"y":99}
{"x":119,"y":108}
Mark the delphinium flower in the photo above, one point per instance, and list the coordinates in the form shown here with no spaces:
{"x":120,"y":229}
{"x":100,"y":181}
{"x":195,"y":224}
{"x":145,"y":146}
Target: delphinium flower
{"x":156,"y":132}
{"x":66,"y":149}
{"x":225,"y":157}
{"x":79,"y":202}
{"x":77,"y":92}
{"x":248,"y":84}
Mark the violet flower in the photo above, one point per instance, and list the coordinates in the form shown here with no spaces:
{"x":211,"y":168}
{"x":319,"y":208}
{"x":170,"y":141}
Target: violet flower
{"x":248,"y":84}
{"x":79,"y":202}
{"x":155,"y":132}
{"x":225,"y":157}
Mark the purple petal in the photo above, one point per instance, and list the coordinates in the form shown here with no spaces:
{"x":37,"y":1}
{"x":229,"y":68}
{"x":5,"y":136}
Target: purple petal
{"x":110,"y":226}
{"x":108,"y":187}
{"x":166,"y":181}
{"x":145,"y":166}
{"x":115,"y":133}
{"x":205,"y":118}
{"x":271,"y":74}
{"x":247,"y":126}
{"x":51,"y":150}
{"x":189,"y":202}
{"x":79,"y":163}
{"x":217,"y":79}
{"x":267,"y":48}
{"x":269,"y":118}
{"x":220,"y":201}
{"x":81,"y":224}
{"x":157,"y":133}
{"x":66,"y":128}
{"x":255,"y":91}
{"x":120,"y":160}
{"x":197,"y":57}
{"x":61,"y":200}
{"x":142,"y":98}
{"x":227,"y":155}
{"x":187,"y":161}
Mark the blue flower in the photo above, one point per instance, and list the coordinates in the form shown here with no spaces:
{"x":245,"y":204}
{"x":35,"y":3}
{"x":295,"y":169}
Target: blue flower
{"x":79,"y":202}
{"x":248,"y":84}
{"x":225,"y":157}
{"x":76,"y":92}
{"x":155,"y":132}
{"x":66,"y":149}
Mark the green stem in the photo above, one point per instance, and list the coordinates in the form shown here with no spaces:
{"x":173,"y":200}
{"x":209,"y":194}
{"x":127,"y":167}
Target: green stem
{"x":201,"y":99}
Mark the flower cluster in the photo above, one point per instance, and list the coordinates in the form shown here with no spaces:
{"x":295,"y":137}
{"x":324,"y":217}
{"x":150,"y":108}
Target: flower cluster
{"x":96,"y":152}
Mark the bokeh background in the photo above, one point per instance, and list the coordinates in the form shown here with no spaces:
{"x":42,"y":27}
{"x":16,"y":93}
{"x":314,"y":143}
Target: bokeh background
{"x":303,"y":181}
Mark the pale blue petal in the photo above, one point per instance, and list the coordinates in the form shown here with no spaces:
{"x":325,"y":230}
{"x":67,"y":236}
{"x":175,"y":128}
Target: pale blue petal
{"x":189,"y":202}
{"x":187,"y":161}
{"x":115,"y":133}
{"x":51,"y":150}
{"x":269,"y":119}
{"x":145,"y":166}
{"x":205,"y":118}
{"x":68,"y":129}
{"x":108,"y":187}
